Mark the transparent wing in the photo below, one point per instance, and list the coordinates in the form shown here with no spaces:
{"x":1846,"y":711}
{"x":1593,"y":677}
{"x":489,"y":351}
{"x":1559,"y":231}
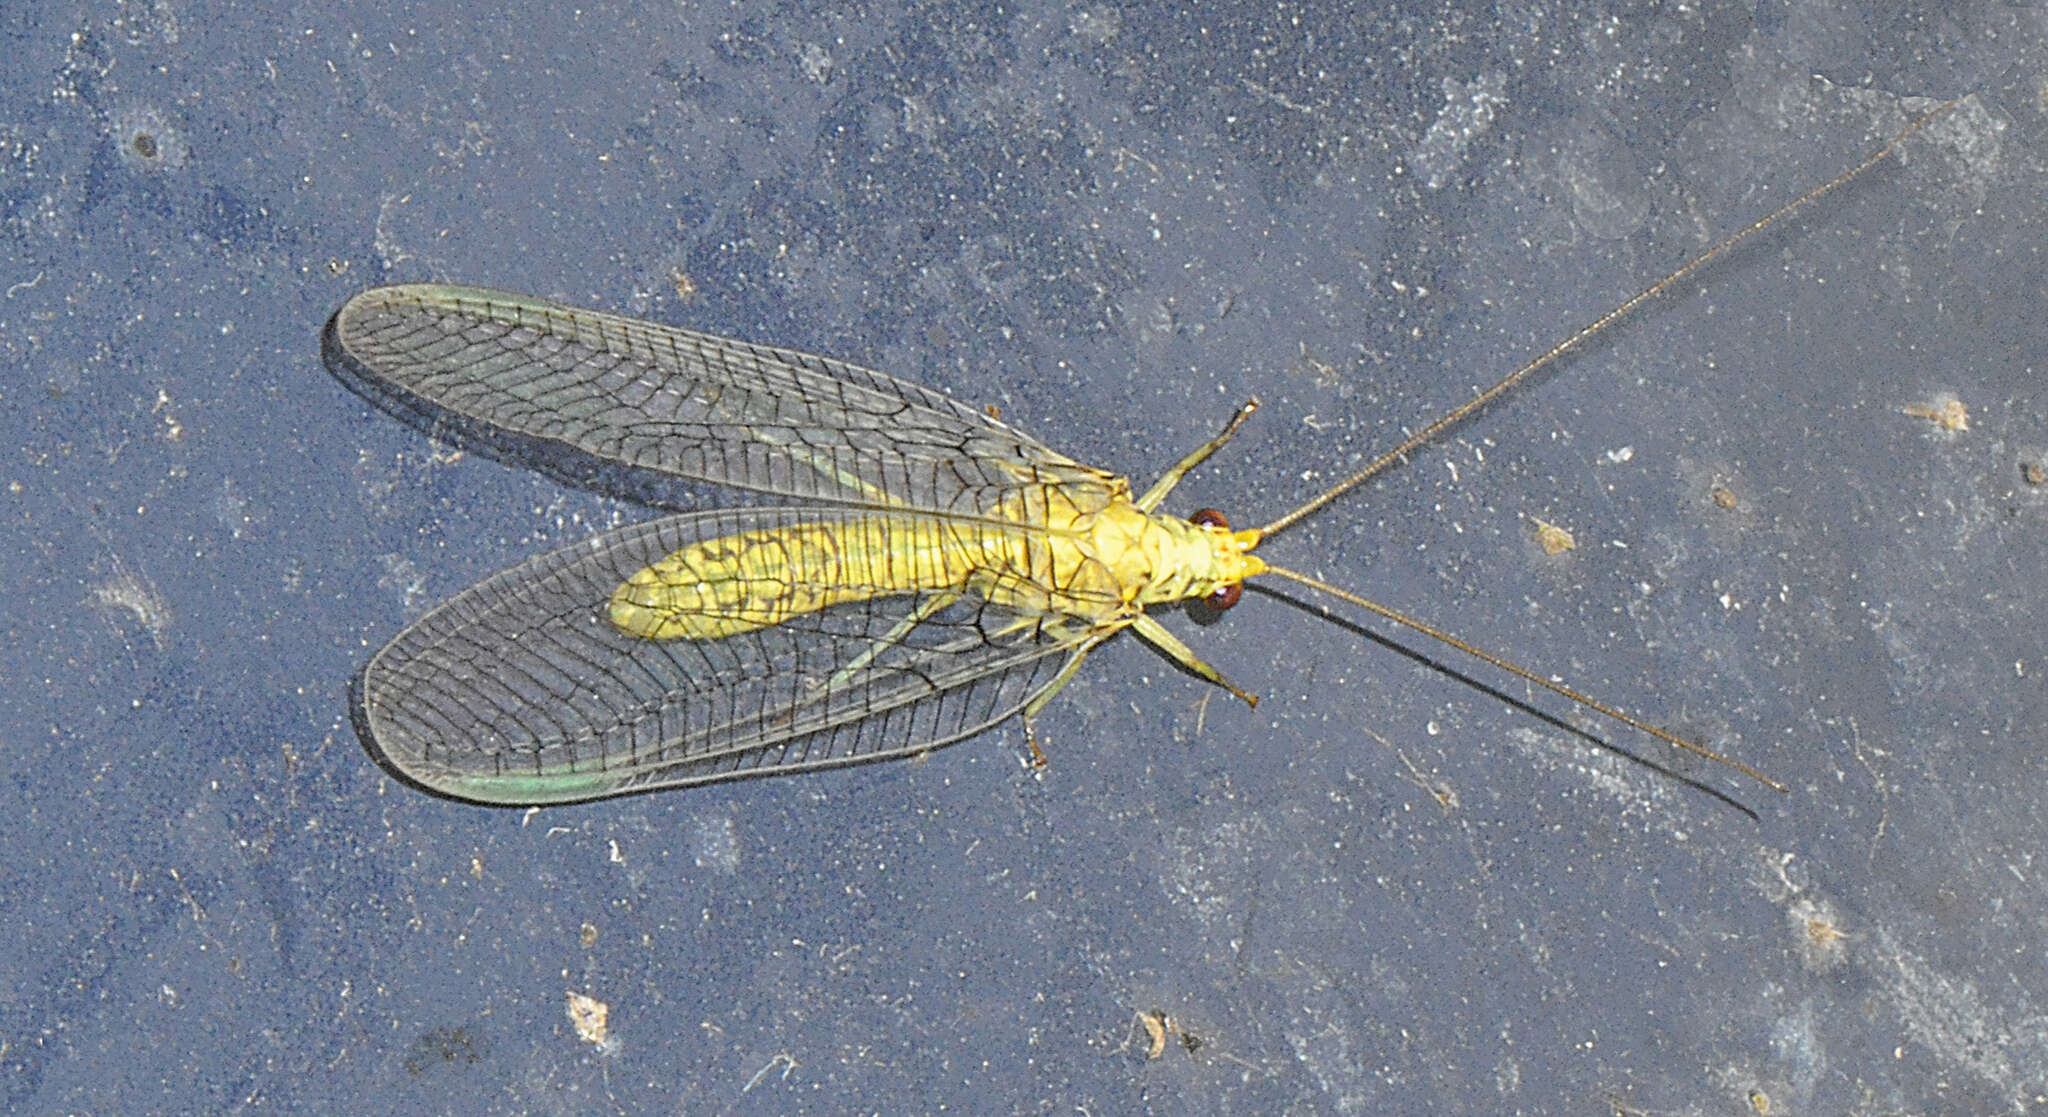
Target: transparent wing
{"x":587,"y":396}
{"x":519,"y":690}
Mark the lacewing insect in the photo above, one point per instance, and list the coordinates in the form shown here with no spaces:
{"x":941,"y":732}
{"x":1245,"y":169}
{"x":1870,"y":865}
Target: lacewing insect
{"x":929,"y":572}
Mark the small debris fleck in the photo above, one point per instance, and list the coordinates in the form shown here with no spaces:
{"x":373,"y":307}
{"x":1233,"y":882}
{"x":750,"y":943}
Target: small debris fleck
{"x":1159,"y":1028}
{"x":1948,"y":414}
{"x":1821,"y":942}
{"x":1553,"y":539}
{"x":590,"y":1017}
{"x":2034,"y":472}
{"x":1723,"y":496}
{"x":1157,"y":1024}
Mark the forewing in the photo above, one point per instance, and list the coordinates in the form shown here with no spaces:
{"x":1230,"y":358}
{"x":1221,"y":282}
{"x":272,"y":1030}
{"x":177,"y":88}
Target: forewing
{"x":587,"y":395}
{"x":519,"y":690}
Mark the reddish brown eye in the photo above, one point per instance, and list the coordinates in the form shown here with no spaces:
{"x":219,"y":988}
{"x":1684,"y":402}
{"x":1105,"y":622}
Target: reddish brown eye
{"x":1224,"y":596}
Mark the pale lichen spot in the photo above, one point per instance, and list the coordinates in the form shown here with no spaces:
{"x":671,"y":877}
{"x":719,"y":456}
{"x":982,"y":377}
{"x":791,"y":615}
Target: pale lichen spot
{"x":715,"y":843}
{"x":128,"y":596}
{"x":146,"y":140}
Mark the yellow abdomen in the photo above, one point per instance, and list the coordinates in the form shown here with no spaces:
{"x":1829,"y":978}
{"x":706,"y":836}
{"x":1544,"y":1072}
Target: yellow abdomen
{"x":757,"y":579}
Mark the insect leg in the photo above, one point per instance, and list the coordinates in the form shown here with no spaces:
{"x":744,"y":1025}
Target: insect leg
{"x":1066,"y":675}
{"x":894,"y":636}
{"x":1158,"y":492}
{"x":1159,"y":637}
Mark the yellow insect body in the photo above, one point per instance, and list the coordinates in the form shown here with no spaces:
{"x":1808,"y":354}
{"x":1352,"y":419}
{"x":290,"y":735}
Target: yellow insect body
{"x":1085,"y":552}
{"x":923,"y":572}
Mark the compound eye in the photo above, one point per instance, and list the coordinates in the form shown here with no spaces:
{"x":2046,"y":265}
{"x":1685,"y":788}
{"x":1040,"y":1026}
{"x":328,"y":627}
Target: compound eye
{"x":1224,"y":596}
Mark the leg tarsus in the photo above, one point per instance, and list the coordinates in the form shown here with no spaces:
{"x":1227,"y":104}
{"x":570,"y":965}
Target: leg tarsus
{"x":1031,"y":709}
{"x":1180,"y":469}
{"x":1038,"y":761}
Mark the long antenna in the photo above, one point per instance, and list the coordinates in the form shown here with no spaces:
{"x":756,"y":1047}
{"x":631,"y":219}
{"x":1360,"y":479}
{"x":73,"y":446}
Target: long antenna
{"x":1427,"y":434}
{"x":1459,"y":413}
{"x":1523,"y":673}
